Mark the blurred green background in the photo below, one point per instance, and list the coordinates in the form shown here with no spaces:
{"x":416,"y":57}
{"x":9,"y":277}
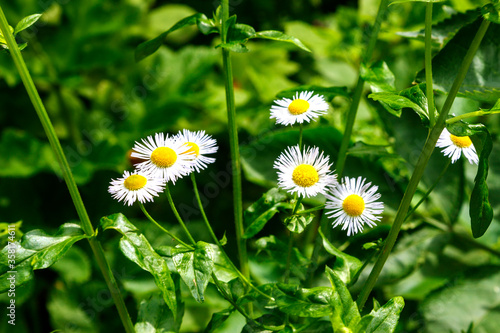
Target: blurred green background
{"x":81,"y":56}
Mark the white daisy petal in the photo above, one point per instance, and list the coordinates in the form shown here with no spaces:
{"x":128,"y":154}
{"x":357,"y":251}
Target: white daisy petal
{"x":303,"y":108}
{"x":306,"y":173}
{"x":353,"y":204}
{"x":164,"y":157}
{"x":200,"y":145}
{"x":454,"y":146}
{"x":135,"y":186}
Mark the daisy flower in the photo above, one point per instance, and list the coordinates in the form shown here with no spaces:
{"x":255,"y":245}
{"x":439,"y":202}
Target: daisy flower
{"x":354,"y":203}
{"x":200,"y":144}
{"x":165,"y":158}
{"x":306,"y":173}
{"x":454,"y":146}
{"x":303,"y":107}
{"x":135,"y":186}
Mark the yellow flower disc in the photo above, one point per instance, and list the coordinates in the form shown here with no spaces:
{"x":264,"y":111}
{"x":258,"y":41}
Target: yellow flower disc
{"x":298,"y":106}
{"x":193,"y":148}
{"x":461,"y":141}
{"x":305,"y":175}
{"x":135,"y":182}
{"x":163,"y":157}
{"x":353,"y":205}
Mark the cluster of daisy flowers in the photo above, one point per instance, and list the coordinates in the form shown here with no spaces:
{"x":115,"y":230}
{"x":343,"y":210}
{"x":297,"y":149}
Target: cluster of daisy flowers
{"x":163,"y":159}
{"x":307,"y":172}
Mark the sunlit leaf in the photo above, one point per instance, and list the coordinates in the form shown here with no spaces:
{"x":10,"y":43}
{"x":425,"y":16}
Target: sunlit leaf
{"x":346,"y":266}
{"x":491,"y":11}
{"x":155,"y":316}
{"x":136,"y":247}
{"x":293,"y":300}
{"x":280,"y":36}
{"x":26,"y":22}
{"x":195,"y":267}
{"x":346,"y":313}
{"x":36,"y":250}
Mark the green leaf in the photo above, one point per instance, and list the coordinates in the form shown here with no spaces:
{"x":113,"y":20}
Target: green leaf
{"x":314,"y":302}
{"x":378,"y":76}
{"x":278,"y":253}
{"x":444,"y":30}
{"x":74,"y":267}
{"x":472,"y":297}
{"x":155,"y":317}
{"x":260,"y":212}
{"x":480,"y":210}
{"x":218,"y":319}
{"x":36,"y":250}
{"x":479,"y":83}
{"x":395,"y":103}
{"x":297,"y":223}
{"x":279,"y":36}
{"x":26,"y":22}
{"x":413,"y":98}
{"x":346,"y":266}
{"x":2,"y":37}
{"x":346,"y":313}
{"x":329,"y":93}
{"x":149,"y":47}
{"x":385,"y":318}
{"x":236,"y":46}
{"x":491,"y":11}
{"x":136,"y":247}
{"x":195,"y":267}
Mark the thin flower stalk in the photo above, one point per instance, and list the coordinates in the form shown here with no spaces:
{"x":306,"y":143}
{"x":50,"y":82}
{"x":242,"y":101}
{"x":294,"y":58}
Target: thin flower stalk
{"x":358,"y":91}
{"x":234,"y":146}
{"x":420,"y":166}
{"x":85,"y":222}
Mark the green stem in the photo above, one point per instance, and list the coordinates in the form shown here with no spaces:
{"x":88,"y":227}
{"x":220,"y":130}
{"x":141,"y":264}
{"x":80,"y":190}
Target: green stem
{"x":310,"y":210}
{"x":214,"y":277}
{"x":67,"y":174}
{"x":216,"y":240}
{"x":234,"y":147}
{"x":420,"y":166}
{"x":301,"y":128}
{"x":358,"y":91}
{"x":297,"y":204}
{"x":177,"y":216}
{"x":428,"y":63}
{"x":162,"y":228}
{"x":426,"y":195}
{"x":470,"y":115}
{"x":288,"y":257}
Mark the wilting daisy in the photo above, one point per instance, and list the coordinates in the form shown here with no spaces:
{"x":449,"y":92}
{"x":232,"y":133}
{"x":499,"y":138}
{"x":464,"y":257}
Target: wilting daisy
{"x":353,"y":204}
{"x":304,"y":107}
{"x":165,"y":157}
{"x":135,"y":186}
{"x":200,"y":145}
{"x":454,"y":146}
{"x":306,"y":173}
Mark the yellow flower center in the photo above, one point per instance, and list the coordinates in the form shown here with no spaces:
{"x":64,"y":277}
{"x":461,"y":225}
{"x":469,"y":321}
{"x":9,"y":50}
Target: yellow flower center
{"x":305,"y":175}
{"x":461,"y":141}
{"x":135,"y":182}
{"x":298,"y":106}
{"x":163,"y":157}
{"x":353,"y":205}
{"x":193,"y":148}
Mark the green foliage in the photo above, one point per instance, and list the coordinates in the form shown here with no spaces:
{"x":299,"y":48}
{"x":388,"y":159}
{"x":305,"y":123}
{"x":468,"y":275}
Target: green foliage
{"x":260,"y":212}
{"x":36,"y":250}
{"x":479,"y":83}
{"x":195,"y":267}
{"x":26,"y":22}
{"x":480,"y":210}
{"x":135,"y":247}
